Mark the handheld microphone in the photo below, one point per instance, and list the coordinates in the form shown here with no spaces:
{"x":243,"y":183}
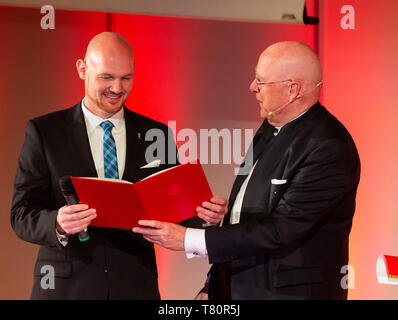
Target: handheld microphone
{"x":69,"y":193}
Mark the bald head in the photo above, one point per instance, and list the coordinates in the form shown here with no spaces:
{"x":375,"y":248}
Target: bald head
{"x":288,"y":79}
{"x":292,"y":60}
{"x":108,"y":45}
{"x":107,"y":70}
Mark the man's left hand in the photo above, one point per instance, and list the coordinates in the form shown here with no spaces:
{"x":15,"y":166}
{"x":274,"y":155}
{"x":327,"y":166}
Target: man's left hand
{"x":214,"y":210}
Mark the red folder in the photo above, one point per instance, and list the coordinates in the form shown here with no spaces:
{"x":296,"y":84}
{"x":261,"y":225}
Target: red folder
{"x":170,"y":196}
{"x":391,"y":265}
{"x":387,"y":269}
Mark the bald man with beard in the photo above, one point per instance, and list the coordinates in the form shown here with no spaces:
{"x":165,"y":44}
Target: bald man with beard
{"x":286,"y":232}
{"x":113,"y":263}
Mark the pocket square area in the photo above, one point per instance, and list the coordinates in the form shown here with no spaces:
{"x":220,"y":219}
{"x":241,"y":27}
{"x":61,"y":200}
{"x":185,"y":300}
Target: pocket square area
{"x":153,"y":164}
{"x":278,"y":181}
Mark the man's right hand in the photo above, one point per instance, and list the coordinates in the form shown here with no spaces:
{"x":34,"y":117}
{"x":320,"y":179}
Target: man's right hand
{"x":75,"y":218}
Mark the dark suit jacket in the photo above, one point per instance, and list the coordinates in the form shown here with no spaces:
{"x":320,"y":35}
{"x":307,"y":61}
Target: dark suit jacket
{"x":292,"y":239}
{"x":114,"y":263}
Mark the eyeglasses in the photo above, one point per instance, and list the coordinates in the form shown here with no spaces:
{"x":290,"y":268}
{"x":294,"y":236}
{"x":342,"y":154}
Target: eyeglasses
{"x":259,"y":83}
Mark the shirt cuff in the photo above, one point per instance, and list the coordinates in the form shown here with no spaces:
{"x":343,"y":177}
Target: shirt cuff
{"x":62,"y":238}
{"x":195,"y":243}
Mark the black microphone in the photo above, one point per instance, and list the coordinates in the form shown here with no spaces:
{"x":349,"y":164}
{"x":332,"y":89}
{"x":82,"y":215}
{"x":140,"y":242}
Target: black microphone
{"x":69,"y":193}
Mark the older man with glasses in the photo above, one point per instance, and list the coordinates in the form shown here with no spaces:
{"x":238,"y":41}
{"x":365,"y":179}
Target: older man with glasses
{"x":286,"y":232}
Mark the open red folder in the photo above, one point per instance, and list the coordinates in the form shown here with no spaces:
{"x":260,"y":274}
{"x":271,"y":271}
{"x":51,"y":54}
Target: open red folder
{"x":387,"y":269}
{"x":171,"y":195}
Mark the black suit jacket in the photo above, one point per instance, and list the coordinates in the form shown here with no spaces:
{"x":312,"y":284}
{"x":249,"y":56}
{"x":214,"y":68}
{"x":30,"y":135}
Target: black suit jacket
{"x":292,"y":239}
{"x":114,"y":263}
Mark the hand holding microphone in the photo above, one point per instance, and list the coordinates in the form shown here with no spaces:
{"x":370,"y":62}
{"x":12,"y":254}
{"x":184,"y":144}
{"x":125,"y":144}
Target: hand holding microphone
{"x":74,"y":217}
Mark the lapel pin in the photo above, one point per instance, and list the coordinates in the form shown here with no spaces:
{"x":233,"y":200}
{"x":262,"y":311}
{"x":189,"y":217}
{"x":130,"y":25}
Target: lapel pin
{"x":139,"y":135}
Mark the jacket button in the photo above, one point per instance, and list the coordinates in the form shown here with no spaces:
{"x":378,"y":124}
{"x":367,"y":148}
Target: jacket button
{"x":105,"y":269}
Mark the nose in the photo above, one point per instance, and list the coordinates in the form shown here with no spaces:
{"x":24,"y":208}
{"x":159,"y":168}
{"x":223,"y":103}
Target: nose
{"x":253,"y":86}
{"x":117,"y":86}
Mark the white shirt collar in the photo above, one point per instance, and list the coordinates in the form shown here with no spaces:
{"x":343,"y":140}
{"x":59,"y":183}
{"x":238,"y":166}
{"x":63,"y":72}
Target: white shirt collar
{"x":93,"y":120}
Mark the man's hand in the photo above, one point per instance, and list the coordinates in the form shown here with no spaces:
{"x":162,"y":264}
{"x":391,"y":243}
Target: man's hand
{"x":172,"y":236}
{"x":214,"y":210}
{"x":75,"y":218}
{"x":168,"y":235}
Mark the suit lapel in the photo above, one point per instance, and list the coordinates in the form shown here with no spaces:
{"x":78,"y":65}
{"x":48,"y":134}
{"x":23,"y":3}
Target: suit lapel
{"x":261,"y":138}
{"x":80,"y":146}
{"x":134,"y":145}
{"x":277,"y":149}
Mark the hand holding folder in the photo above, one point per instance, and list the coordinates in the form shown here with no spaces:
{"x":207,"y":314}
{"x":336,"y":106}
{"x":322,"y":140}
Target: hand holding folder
{"x":172,"y":236}
{"x":170,"y":196}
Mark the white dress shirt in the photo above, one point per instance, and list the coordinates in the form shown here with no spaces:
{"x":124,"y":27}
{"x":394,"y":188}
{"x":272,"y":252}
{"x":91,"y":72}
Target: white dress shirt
{"x":95,"y":137}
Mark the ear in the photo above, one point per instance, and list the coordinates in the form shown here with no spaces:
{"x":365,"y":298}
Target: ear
{"x":81,"y":69}
{"x":294,"y":91}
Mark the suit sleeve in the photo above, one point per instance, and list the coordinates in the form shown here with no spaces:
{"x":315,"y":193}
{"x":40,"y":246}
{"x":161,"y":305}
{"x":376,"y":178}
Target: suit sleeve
{"x":328,"y":175}
{"x":31,"y":217}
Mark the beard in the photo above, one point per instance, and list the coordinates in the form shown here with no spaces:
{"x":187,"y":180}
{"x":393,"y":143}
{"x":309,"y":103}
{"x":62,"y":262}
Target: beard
{"x":103,"y":102}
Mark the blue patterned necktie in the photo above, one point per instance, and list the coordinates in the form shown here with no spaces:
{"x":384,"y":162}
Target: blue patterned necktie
{"x":110,"y":157}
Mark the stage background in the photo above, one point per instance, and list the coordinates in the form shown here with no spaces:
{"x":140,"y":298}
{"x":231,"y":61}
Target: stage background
{"x":197,"y":73}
